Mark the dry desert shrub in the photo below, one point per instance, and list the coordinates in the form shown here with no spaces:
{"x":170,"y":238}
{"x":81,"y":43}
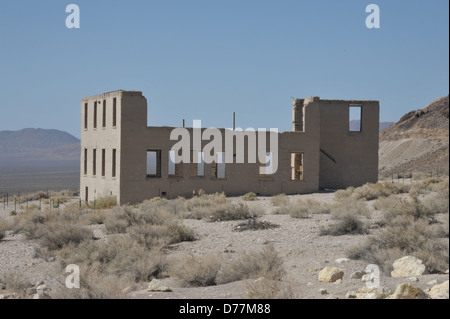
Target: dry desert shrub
{"x":120,"y":256}
{"x":263,"y":288}
{"x":210,"y":269}
{"x":349,"y":216}
{"x":263,"y":263}
{"x":54,"y":236}
{"x":197,"y":271}
{"x":94,"y":285}
{"x":371,"y":191}
{"x":15,"y":282}
{"x":249,"y":197}
{"x":315,"y":207}
{"x":344,"y":194}
{"x":254,"y":224}
{"x":104,"y":202}
{"x":4,"y":226}
{"x":29,"y":223}
{"x":404,"y":236}
{"x":280,"y":200}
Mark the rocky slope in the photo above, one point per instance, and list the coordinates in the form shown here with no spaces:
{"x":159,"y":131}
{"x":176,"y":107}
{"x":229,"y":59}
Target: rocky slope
{"x":418,"y":142}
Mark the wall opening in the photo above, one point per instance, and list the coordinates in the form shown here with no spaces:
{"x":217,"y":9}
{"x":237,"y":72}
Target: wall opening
{"x":114,"y":162}
{"x":103,"y":162}
{"x":355,"y":118}
{"x":85,"y":161}
{"x":85,"y":116}
{"x":95,"y":114}
{"x":197,"y":164}
{"x":104,"y":114}
{"x":220,"y":165}
{"x":297,"y":166}
{"x":86,"y":194}
{"x":266,"y":170}
{"x":94,"y":162}
{"x":114,"y":121}
{"x":153,"y":163}
{"x":175,"y":169}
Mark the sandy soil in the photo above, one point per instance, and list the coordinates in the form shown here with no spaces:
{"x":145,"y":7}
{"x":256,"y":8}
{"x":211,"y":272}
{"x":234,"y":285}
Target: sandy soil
{"x":303,"y":251}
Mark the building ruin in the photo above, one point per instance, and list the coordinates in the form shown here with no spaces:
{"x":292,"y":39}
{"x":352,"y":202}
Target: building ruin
{"x":121,"y":156}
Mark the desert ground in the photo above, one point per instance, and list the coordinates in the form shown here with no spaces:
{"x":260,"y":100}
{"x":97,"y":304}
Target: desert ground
{"x":200,"y":248}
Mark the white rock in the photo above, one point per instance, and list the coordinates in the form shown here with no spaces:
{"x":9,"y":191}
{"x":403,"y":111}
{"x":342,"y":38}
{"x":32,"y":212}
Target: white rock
{"x":432,"y":283}
{"x":408,"y":266}
{"x":373,"y":293}
{"x":158,"y":285}
{"x":413,"y":279}
{"x":439,"y":291}
{"x":342,"y":260}
{"x":330,"y":274}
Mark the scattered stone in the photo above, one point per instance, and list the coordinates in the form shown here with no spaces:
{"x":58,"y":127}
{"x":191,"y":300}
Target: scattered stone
{"x":413,"y":279}
{"x":310,"y":284}
{"x":39,"y":283}
{"x":342,"y":260}
{"x":126,"y":290}
{"x":408,"y":266}
{"x":313,"y":269}
{"x":439,"y":291}
{"x":338,"y":282}
{"x":12,"y":295}
{"x":31,"y":291}
{"x":357,"y":275}
{"x":323,"y":292}
{"x":373,"y":293}
{"x":158,"y":285}
{"x":330,"y":274}
{"x":432,"y":283}
{"x":41,"y":296}
{"x":446,"y":272}
{"x":351,"y":295}
{"x":407,"y":291}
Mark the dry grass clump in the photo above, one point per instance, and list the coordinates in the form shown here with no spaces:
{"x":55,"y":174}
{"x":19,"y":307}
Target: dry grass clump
{"x":280,"y":200}
{"x":197,"y":271}
{"x":302,"y":208}
{"x":149,"y":226}
{"x":315,"y":207}
{"x":55,"y":236}
{"x":263,"y":263}
{"x":210,"y":269}
{"x":104,"y":202}
{"x":371,"y":191}
{"x":249,"y":197}
{"x":263,"y":288}
{"x":344,"y":194}
{"x":120,"y":256}
{"x":411,"y":227}
{"x":4,"y":226}
{"x":349,"y":216}
{"x":12,"y":281}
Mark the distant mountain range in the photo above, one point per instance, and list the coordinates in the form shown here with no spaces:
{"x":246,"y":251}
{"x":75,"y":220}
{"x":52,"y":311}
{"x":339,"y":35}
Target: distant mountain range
{"x":38,"y":147}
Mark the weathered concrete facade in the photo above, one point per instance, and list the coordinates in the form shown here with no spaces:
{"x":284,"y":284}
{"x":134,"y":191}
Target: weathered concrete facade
{"x":320,"y":152}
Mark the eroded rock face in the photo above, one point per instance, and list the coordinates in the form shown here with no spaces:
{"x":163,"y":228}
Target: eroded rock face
{"x":439,"y":291}
{"x":408,"y":266}
{"x":331,"y":274}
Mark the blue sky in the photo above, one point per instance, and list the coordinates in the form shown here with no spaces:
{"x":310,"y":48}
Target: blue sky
{"x":204,"y":59}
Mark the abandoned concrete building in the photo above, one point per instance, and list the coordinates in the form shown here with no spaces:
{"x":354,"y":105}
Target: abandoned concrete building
{"x":121,"y":156}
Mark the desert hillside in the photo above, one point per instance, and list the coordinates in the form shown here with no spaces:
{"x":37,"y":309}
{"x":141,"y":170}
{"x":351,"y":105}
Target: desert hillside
{"x":418,"y":142}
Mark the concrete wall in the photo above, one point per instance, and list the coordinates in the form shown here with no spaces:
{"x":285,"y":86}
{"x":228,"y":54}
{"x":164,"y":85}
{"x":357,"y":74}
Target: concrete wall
{"x":355,"y":154}
{"x":317,"y":124}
